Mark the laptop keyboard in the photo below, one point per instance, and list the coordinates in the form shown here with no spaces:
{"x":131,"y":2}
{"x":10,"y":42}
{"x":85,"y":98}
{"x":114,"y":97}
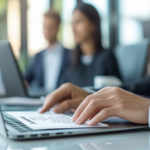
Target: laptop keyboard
{"x":13,"y":122}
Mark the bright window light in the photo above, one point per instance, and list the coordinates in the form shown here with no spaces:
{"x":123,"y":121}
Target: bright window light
{"x":36,"y":41}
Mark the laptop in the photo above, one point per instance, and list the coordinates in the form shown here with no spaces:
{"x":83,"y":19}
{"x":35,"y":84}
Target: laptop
{"x":13,"y":128}
{"x":12,"y":77}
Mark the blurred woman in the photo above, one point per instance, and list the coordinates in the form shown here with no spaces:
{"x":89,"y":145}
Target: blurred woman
{"x":89,"y":58}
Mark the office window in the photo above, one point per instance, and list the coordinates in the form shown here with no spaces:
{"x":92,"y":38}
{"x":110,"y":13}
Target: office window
{"x":132,"y":15}
{"x":67,"y":34}
{"x":3,"y":19}
{"x":13,"y":25}
{"x":102,"y":7}
{"x":36,"y":9}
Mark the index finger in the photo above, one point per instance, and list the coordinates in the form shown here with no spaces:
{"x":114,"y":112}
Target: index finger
{"x":57,"y":96}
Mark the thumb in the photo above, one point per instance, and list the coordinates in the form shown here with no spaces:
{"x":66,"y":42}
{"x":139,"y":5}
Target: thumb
{"x":66,"y":105}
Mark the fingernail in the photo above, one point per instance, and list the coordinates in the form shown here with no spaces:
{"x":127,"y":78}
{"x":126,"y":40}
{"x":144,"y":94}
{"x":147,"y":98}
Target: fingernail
{"x":78,"y":121}
{"x":89,"y":122}
{"x":57,"y":109}
{"x":39,"y":110}
{"x":73,"y":118}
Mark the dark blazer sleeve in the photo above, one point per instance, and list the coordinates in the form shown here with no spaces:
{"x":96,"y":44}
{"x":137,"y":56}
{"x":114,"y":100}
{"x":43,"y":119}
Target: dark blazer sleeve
{"x":111,"y":65}
{"x":29,"y":74}
{"x":141,"y":87}
{"x":64,"y":68}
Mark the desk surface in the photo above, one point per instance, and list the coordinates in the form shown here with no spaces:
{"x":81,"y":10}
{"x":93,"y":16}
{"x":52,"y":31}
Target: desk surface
{"x":129,"y":140}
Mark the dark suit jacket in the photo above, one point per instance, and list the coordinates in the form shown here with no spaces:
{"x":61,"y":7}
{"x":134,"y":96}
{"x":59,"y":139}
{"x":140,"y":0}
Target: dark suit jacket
{"x":104,"y":63}
{"x":36,"y":70}
{"x":141,"y":87}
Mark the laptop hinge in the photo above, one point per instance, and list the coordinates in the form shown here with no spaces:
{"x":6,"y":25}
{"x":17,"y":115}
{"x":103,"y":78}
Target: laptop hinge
{"x":2,"y":125}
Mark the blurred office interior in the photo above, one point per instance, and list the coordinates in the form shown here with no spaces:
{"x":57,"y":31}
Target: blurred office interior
{"x":124,"y":22}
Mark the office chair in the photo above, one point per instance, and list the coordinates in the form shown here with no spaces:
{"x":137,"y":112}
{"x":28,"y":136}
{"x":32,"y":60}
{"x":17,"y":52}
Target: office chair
{"x":132,"y":60}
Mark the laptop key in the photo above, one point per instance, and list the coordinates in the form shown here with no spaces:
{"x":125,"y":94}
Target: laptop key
{"x":16,"y":124}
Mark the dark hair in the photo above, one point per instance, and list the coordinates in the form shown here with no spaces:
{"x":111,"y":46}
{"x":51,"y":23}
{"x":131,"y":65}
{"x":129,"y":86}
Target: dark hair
{"x":92,"y":14}
{"x":53,"y":14}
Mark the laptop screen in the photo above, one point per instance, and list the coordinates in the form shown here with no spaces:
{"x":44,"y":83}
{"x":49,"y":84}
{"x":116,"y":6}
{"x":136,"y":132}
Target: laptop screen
{"x":11,"y":74}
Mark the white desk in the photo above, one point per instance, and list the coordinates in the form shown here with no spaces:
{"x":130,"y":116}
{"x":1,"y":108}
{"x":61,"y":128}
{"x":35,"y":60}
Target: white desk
{"x":129,"y":140}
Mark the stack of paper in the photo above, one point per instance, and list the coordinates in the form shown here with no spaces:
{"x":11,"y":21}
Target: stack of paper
{"x":38,"y":121}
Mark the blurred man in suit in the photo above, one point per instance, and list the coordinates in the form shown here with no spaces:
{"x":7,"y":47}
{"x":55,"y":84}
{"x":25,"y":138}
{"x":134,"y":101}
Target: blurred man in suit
{"x":49,"y":64}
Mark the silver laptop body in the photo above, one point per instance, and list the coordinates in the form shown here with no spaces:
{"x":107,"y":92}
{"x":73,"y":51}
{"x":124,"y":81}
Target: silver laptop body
{"x":12,"y":128}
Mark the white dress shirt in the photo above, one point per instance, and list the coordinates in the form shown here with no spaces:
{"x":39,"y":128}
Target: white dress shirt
{"x":52,"y":65}
{"x":86,"y":59}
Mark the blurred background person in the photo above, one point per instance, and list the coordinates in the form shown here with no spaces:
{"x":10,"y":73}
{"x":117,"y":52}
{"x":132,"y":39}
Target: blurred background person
{"x":49,"y":64}
{"x":89,"y":58}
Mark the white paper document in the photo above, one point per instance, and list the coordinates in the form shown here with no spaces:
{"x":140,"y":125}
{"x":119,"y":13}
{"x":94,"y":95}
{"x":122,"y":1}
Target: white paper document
{"x":38,"y":121}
